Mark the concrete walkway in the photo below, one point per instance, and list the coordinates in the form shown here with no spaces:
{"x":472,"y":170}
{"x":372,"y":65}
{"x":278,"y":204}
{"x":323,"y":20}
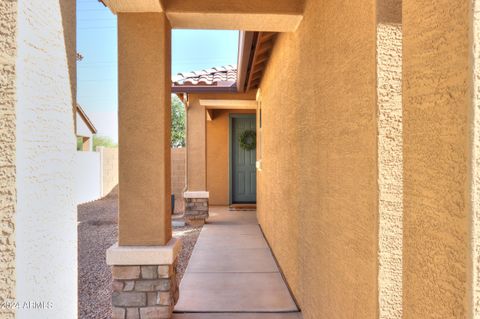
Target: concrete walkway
{"x":232,"y":273}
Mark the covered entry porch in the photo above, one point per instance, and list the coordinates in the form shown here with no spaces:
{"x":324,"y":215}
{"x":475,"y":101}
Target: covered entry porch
{"x":146,"y":252}
{"x":364,"y":164}
{"x":221,"y":143}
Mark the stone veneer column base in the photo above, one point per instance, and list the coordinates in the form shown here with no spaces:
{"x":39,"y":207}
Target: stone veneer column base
{"x":148,"y":289}
{"x":196,"y":207}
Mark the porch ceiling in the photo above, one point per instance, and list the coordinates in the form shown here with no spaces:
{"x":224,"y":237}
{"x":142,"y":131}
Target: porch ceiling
{"x":278,"y":16}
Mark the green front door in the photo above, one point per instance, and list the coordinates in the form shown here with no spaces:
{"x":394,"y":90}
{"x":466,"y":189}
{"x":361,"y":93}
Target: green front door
{"x":243,"y":170}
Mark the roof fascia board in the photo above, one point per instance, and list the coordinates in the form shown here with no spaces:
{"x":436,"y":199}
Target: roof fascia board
{"x":86,"y":119}
{"x":245,"y":42}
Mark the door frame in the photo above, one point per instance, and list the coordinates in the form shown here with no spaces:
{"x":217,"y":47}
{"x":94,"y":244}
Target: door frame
{"x":230,"y":149}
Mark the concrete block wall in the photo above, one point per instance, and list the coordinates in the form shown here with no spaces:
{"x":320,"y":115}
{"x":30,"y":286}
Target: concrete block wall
{"x":109,"y":163}
{"x":109,"y":159}
{"x":178,"y":176}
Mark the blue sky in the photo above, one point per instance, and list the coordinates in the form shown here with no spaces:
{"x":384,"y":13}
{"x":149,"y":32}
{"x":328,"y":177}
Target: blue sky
{"x":97,"y":72}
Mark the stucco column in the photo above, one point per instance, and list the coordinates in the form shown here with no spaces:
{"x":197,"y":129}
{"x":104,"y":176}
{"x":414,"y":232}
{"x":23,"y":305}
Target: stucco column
{"x":196,"y":146}
{"x":196,"y":195}
{"x":143,"y":261}
{"x":437,"y":121}
{"x":144,"y":84}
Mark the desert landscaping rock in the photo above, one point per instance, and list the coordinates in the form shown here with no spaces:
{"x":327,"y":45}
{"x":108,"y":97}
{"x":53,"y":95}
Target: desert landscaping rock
{"x":97,"y":231}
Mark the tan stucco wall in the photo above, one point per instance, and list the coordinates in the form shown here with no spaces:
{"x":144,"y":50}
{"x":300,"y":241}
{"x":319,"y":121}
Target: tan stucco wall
{"x":218,"y":183}
{"x":437,"y":100}
{"x":8,"y":16}
{"x":196,"y":145}
{"x":318,"y":185}
{"x":144,"y":107}
{"x":390,"y":157}
{"x":475,"y":162}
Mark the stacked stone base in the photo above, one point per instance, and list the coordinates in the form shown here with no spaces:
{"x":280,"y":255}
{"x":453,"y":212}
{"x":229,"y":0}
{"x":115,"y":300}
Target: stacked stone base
{"x":144,"y":292}
{"x":196,"y":211}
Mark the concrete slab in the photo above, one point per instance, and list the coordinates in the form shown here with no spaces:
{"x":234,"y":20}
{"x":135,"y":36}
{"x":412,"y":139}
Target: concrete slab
{"x":232,"y":270}
{"x":222,"y":216}
{"x":231,"y":242}
{"x":295,"y":315}
{"x":234,"y":292}
{"x":232,"y":260}
{"x":212,"y":229}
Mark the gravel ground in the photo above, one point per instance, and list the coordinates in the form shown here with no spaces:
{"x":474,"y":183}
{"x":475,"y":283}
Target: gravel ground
{"x":97,"y":230}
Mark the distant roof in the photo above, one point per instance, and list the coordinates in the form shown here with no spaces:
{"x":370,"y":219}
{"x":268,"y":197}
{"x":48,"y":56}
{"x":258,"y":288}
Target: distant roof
{"x":223,"y":78}
{"x":86,"y":119}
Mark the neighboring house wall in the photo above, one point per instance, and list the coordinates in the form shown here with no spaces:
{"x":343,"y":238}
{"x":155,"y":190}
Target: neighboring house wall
{"x":46,"y":219}
{"x":218,"y":183}
{"x":109,"y":170}
{"x":318,"y":195}
{"x":88,"y":177}
{"x":8,"y":26}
